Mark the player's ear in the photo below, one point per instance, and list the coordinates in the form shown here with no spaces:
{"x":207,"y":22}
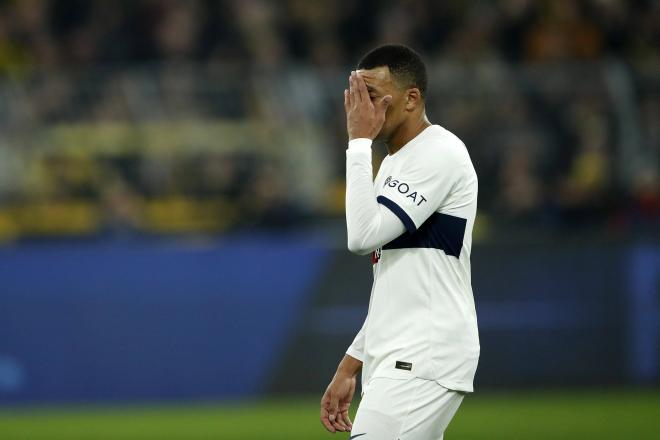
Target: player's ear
{"x":413,"y":99}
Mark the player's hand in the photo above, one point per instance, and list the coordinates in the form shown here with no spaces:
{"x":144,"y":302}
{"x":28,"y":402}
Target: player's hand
{"x":335,"y":403}
{"x":364,"y":117}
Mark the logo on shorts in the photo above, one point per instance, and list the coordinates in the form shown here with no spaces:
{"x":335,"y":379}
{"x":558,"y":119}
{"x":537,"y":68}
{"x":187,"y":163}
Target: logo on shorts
{"x":356,"y":436}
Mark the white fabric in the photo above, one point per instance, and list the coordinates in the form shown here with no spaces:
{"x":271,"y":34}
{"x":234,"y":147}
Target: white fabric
{"x":404,"y":409}
{"x":421,"y":309}
{"x":368,"y":223}
{"x":356,"y":349}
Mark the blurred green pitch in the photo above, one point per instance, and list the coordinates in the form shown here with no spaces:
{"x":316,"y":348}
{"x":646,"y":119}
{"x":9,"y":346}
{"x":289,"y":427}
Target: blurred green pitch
{"x":519,"y":415}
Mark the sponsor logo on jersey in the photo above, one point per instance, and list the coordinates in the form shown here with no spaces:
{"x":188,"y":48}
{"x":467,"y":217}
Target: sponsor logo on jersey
{"x":404,"y":188}
{"x":375,"y":255}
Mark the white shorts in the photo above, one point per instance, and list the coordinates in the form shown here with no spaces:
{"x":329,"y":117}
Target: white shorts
{"x":404,"y":409}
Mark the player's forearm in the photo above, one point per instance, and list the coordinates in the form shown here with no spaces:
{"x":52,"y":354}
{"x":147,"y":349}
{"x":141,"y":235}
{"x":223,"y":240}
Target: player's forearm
{"x":368,"y":224}
{"x":349,"y":366}
{"x":361,"y":205}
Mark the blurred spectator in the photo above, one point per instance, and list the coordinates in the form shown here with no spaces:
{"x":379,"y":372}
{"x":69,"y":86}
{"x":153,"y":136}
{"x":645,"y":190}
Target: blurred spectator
{"x":520,"y":198}
{"x":120,"y":104}
{"x":562,"y":32}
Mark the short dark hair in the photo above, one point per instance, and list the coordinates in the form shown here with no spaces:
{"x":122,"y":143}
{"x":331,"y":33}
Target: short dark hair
{"x":405,"y":65}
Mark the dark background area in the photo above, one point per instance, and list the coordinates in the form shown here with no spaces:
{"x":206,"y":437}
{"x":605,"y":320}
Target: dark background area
{"x":172,"y":208}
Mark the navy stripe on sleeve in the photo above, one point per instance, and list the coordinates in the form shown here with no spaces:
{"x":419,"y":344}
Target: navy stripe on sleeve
{"x":439,"y":231}
{"x":396,"y":209}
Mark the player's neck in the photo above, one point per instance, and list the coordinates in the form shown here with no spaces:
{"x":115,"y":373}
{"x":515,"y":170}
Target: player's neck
{"x":406,"y":133}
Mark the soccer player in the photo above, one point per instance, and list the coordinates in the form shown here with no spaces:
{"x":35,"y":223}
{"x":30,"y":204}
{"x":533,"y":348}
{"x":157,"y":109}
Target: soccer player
{"x":418,"y":348}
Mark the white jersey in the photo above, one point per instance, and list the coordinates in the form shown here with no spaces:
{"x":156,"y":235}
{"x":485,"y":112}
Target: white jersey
{"x":421,"y":320}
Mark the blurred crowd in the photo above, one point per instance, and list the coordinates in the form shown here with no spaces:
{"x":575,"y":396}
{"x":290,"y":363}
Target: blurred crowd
{"x":66,"y":33}
{"x":557,"y":101}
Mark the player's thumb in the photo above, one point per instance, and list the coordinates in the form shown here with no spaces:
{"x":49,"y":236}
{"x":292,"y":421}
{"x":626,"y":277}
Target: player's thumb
{"x":333,"y":406}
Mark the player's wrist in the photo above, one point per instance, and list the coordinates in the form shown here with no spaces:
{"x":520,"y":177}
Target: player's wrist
{"x":360,"y":144}
{"x":349,"y":367}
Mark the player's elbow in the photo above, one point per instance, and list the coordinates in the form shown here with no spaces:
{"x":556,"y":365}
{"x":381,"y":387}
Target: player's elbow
{"x":357,"y":246}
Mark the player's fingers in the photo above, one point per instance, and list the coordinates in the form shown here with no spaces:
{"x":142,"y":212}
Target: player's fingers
{"x":383,"y":103}
{"x":343,"y":413}
{"x":347,"y":419}
{"x":325,"y":422}
{"x":332,"y":407}
{"x":339,"y":423}
{"x":347,"y":102}
{"x":362,"y":88}
{"x":328,"y":425}
{"x":351,"y":98}
{"x":355,"y":94}
{"x":340,"y":426}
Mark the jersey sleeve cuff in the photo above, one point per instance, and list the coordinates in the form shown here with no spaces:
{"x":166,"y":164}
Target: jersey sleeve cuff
{"x":399,"y":212}
{"x":355,"y":354}
{"x":362,"y":145}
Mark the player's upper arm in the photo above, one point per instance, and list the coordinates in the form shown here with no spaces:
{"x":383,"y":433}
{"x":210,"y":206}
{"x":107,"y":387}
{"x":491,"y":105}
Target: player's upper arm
{"x":422,"y":184}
